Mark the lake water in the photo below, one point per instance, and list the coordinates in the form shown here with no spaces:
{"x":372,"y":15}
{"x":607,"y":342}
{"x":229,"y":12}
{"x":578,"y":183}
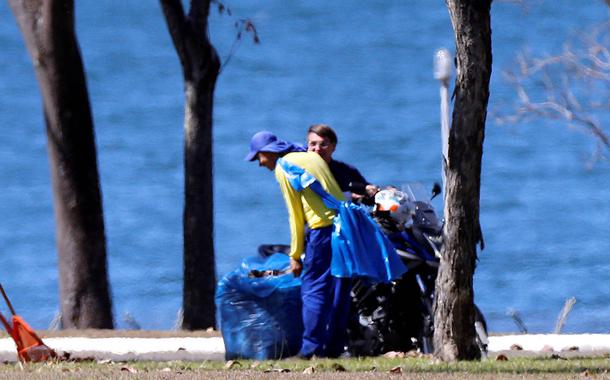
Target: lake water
{"x":367,"y":71}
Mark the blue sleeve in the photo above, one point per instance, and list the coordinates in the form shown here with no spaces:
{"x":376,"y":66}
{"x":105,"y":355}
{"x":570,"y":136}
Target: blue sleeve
{"x":345,"y":173}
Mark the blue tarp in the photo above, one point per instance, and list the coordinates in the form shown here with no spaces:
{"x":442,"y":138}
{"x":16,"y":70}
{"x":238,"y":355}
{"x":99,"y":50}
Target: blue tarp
{"x":360,"y":249}
{"x":260,"y":317}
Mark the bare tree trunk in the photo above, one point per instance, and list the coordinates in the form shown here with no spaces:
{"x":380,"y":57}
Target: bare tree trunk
{"x":200,"y":66}
{"x":454,"y":334}
{"x":48,"y":28}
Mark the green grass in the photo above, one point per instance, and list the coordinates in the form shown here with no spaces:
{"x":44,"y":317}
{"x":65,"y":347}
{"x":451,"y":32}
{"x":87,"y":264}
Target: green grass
{"x":519,"y":365}
{"x":429,"y":365}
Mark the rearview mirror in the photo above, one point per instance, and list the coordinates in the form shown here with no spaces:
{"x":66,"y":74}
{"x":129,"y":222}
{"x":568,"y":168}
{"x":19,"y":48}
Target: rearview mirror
{"x":436,"y":190}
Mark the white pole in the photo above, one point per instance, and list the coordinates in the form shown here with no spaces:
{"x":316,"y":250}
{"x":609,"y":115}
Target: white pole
{"x":442,"y":72}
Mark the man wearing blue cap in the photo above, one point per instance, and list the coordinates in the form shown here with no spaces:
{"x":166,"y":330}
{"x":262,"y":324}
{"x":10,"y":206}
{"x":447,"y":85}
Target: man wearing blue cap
{"x":324,"y":311}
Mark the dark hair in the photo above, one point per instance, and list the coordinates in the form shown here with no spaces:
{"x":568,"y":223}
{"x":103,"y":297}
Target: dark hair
{"x":324,"y":131}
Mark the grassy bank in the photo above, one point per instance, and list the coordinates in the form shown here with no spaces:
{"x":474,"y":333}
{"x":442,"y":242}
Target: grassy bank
{"x":516,"y":365}
{"x":554,"y":366}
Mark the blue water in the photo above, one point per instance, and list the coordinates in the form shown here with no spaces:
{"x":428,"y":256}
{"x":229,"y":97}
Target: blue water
{"x":364,"y":69}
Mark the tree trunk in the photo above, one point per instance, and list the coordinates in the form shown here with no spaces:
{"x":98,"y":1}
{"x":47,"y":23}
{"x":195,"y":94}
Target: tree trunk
{"x":48,"y":28}
{"x":454,"y":334}
{"x":200,"y":66}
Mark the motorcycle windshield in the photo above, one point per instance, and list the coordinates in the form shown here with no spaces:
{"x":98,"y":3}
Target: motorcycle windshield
{"x":424,"y":218}
{"x":416,"y":191}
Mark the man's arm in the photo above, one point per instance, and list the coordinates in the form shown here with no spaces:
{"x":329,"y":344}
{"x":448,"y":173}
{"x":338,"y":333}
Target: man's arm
{"x":346,"y":174}
{"x":297,"y":221}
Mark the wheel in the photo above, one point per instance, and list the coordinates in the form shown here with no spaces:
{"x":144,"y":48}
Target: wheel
{"x":426,"y":344}
{"x":480,"y":326}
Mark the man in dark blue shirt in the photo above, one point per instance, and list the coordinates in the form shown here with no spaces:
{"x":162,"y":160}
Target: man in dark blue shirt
{"x":322,"y":139}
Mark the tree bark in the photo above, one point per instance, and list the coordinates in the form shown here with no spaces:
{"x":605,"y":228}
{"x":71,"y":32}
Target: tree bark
{"x":454,"y":334}
{"x":48,"y":29}
{"x":200,"y":65}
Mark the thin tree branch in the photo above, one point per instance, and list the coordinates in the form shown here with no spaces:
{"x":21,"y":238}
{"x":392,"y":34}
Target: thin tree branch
{"x":571,"y":86}
{"x":176,"y":20}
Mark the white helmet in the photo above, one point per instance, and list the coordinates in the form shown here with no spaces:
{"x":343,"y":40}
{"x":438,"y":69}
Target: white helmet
{"x":395,"y":202}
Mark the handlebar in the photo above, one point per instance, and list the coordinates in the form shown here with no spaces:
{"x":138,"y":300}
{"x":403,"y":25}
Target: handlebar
{"x":359,"y":188}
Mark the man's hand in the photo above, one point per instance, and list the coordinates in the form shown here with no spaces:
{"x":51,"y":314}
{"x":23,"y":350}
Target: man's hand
{"x":371,"y":190}
{"x":296,"y":267}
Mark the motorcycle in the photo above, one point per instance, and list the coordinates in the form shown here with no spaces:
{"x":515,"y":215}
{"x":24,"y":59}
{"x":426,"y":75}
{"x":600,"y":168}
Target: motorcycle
{"x":399,"y":316}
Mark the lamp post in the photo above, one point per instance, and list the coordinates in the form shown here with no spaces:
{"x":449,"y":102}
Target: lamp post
{"x":442,"y":72}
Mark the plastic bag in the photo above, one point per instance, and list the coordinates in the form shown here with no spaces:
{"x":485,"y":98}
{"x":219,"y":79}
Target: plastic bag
{"x":260,"y":313}
{"x":361,"y":249}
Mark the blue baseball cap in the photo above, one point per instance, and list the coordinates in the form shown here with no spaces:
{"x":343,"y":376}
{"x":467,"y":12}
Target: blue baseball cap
{"x":266,"y":141}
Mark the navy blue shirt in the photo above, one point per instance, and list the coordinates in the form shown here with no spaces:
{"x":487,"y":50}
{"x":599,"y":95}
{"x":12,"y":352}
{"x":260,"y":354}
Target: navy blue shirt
{"x":345,"y":173}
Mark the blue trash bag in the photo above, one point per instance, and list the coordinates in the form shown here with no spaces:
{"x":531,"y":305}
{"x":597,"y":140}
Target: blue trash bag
{"x":361,"y":249}
{"x":260,"y":317}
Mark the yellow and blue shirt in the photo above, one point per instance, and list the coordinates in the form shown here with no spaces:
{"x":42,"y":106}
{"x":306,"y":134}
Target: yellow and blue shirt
{"x":305,"y":206}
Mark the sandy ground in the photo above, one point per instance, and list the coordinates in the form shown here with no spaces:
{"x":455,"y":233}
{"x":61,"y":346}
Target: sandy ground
{"x":171,"y":345}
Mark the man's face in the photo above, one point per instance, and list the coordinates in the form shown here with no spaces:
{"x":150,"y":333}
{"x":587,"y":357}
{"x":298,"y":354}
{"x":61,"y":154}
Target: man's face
{"x":320,"y":145}
{"x":267,"y":159}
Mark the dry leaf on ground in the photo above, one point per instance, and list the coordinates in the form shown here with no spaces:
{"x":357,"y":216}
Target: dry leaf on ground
{"x":232,"y":364}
